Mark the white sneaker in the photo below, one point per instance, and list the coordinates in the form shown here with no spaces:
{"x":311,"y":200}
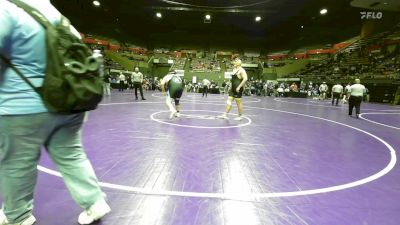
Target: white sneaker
{"x":239,"y":118}
{"x":223,"y":116}
{"x":3,"y":219}
{"x":28,"y":221}
{"x":172,"y":115}
{"x":177,"y":115}
{"x":94,"y":213}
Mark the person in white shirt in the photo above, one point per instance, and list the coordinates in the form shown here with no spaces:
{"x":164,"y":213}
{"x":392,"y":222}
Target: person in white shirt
{"x":122,"y":80}
{"x":137,"y":80}
{"x":323,"y":88}
{"x":206,"y":86}
{"x":356,"y":91}
{"x":337,"y":91}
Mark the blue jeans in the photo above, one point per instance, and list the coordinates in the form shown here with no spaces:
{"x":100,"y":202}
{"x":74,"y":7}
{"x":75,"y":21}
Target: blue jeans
{"x":21,"y":138}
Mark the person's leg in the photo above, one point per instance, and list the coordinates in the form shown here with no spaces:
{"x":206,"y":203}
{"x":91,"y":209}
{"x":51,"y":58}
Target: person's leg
{"x":108,"y":89}
{"x":333,"y":98}
{"x":337,"y":99}
{"x":20,"y":140}
{"x":105,"y":89}
{"x":65,"y":149}
{"x":229,"y":104}
{"x":178,"y":96}
{"x":136,"y":89}
{"x":358,"y":105}
{"x":168,"y":102}
{"x":206,"y":88}
{"x":240,"y":108}
{"x":141,"y":91}
{"x":227,"y":109}
{"x":177,"y":105}
{"x":351,"y":105}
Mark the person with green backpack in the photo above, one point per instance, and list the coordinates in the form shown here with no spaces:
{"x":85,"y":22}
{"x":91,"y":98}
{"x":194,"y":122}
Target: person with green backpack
{"x":48,"y":80}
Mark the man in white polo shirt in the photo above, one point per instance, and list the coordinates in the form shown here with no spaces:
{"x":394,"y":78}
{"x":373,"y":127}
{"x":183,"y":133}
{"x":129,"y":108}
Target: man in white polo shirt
{"x":206,"y":86}
{"x":356,"y":92}
{"x":323,"y":88}
{"x":122,"y":80}
{"x":337,"y":90}
{"x":137,"y":80}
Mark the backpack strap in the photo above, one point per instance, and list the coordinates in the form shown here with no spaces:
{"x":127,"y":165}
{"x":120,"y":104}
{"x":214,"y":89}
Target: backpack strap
{"x":35,"y":14}
{"x":10,"y":64}
{"x":38,"y":16}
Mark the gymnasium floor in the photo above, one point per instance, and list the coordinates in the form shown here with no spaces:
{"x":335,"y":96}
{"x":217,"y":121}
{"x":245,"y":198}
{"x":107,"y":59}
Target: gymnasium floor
{"x":290,"y":161}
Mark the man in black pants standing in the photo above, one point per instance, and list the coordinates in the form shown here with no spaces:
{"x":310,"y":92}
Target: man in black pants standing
{"x":206,"y":84}
{"x":137,"y":79}
{"x":122,"y":80}
{"x":356,"y":93}
{"x":337,"y":90}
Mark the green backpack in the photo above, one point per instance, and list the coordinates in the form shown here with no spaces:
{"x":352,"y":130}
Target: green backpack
{"x":72,"y":83}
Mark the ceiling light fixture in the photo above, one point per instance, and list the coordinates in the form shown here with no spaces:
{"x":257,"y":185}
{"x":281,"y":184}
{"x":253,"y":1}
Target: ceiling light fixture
{"x":323,"y":11}
{"x":158,"y":15}
{"x":96,"y":3}
{"x":208,"y":17}
{"x":258,"y":18}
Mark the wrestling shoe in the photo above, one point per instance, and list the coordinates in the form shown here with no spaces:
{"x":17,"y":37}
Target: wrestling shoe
{"x":239,"y":118}
{"x":172,"y":115}
{"x":223,"y":116}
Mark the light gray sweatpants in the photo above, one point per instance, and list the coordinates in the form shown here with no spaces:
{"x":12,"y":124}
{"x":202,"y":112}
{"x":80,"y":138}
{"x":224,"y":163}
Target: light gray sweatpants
{"x":21,"y":138}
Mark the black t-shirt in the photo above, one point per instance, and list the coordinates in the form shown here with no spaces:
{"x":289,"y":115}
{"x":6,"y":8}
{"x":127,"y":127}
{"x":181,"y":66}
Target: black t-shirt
{"x":106,"y":78}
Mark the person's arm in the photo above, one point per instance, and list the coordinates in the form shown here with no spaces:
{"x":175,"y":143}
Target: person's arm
{"x":162,"y":84}
{"x":348,"y":93}
{"x":244,"y":79}
{"x":141,"y":78}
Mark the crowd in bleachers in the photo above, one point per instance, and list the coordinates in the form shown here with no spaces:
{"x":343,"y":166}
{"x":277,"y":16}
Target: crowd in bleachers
{"x":250,"y":60}
{"x":361,"y":61}
{"x":353,"y":64}
{"x":179,"y":64}
{"x":204,"y":65}
{"x":133,"y":57}
{"x":111,"y":64}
